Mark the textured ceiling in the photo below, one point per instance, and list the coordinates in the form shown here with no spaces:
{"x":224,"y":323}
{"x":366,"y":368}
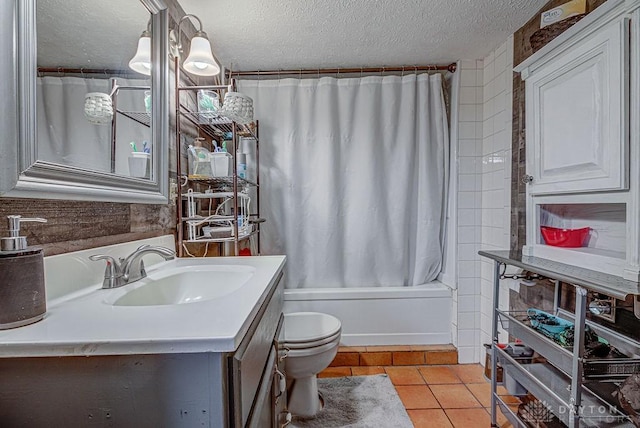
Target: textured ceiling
{"x":282,"y":34}
{"x":89,"y":34}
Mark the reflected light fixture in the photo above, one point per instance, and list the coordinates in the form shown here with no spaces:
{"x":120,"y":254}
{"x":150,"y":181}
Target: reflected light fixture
{"x":141,"y":61}
{"x":200,"y":60}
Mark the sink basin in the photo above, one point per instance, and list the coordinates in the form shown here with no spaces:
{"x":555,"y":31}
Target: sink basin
{"x":185,"y":285}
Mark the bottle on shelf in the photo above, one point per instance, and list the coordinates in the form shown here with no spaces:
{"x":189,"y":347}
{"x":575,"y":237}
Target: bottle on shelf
{"x":242,"y":165}
{"x":199,"y":160}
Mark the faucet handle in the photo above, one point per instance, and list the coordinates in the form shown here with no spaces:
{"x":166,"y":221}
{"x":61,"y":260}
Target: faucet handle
{"x":113,"y":267}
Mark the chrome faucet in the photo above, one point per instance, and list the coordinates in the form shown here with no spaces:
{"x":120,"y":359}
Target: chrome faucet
{"x":131,"y":268}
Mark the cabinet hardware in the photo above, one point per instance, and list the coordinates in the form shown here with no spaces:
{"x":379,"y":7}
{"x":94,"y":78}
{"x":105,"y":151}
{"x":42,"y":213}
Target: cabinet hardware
{"x":287,"y":419}
{"x":285,"y":354}
{"x":282,"y":384}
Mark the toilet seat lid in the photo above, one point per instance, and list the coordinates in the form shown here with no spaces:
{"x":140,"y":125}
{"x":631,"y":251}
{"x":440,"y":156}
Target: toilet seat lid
{"x":304,"y":327}
{"x":311,"y":345}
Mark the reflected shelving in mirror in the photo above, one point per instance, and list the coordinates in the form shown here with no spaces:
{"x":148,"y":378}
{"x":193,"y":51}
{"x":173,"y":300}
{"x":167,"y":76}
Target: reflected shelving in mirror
{"x":55,"y":147}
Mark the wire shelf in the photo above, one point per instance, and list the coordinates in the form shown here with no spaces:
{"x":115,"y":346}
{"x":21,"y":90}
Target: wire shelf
{"x":220,"y":182}
{"x":216,"y":126}
{"x":205,"y":239}
{"x":142,"y":118}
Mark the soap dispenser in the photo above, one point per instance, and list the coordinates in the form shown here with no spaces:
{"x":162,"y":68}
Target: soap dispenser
{"x":22,"y":293}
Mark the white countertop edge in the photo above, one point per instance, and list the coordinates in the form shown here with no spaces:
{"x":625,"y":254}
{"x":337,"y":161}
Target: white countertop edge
{"x":46,"y":339}
{"x":125,"y":347}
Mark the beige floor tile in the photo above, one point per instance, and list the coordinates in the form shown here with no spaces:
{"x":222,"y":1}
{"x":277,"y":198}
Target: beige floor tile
{"x":404,"y":375}
{"x":352,"y":349}
{"x":455,"y":396}
{"x":417,"y":397}
{"x":346,"y":359}
{"x":429,"y":418}
{"x":469,"y":418}
{"x":439,"y":375}
{"x":375,"y":359}
{"x":388,"y":348}
{"x":335,"y":372}
{"x":367,"y":370}
{"x":482,"y":392}
{"x":409,"y":358}
{"x":469,"y":373}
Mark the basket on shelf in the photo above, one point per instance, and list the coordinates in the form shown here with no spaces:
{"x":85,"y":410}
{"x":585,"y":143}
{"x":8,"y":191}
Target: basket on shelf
{"x":237,"y":107}
{"x":544,"y":35}
{"x":98,"y":108}
{"x":568,"y":238}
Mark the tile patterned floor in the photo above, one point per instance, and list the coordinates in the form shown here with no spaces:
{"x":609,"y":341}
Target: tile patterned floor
{"x":436,"y":396}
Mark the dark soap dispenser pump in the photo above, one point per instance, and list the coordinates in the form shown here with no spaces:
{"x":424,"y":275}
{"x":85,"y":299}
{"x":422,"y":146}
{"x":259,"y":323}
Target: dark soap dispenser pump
{"x":22,"y":293}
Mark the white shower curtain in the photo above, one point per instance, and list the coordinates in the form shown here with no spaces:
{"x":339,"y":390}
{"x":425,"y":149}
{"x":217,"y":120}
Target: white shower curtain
{"x":353,"y":175}
{"x":66,"y":137}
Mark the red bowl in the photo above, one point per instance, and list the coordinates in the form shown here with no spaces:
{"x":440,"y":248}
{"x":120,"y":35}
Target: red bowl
{"x":568,"y":238}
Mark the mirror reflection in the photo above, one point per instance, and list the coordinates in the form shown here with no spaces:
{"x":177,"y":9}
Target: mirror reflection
{"x":93,"y":86}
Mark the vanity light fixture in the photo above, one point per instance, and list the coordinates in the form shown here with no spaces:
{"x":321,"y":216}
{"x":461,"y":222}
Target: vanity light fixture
{"x":200,"y":60}
{"x":141,"y":61}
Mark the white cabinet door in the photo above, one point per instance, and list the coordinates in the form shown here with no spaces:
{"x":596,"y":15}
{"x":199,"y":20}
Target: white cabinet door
{"x":577,"y":116}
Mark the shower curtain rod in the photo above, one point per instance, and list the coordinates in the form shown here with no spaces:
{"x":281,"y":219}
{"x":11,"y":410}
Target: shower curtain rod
{"x":64,"y":70}
{"x":362,"y":70}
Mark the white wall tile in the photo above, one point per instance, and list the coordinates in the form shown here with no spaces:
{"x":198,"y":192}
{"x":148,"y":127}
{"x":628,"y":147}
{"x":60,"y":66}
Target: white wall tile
{"x":467,"y":217}
{"x":467,"y":303}
{"x":467,"y":183}
{"x":493,"y":200}
{"x":500,"y":63}
{"x":467,"y":130}
{"x":467,"y":251}
{"x":466,"y":268}
{"x":468,"y":64}
{"x":468,"y":95}
{"x":467,"y":165}
{"x":468,"y":354}
{"x":467,"y":321}
{"x":483,"y":184}
{"x":467,"y":78}
{"x":466,"y":200}
{"x":466,"y":235}
{"x":469,"y":147}
{"x":467,"y":113}
{"x":468,"y":337}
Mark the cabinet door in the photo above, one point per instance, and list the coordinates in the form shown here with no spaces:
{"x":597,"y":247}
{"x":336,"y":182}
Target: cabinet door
{"x":577,"y":116}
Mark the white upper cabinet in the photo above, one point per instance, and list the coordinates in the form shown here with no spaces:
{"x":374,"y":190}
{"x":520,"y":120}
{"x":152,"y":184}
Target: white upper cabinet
{"x":577,"y":115}
{"x":583,"y":142}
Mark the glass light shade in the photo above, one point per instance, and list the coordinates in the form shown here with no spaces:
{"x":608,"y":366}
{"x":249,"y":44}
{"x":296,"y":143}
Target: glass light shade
{"x":141,"y":61}
{"x":200,"y":59}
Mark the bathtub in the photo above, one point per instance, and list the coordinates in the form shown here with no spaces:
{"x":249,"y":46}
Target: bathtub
{"x":381,"y":315}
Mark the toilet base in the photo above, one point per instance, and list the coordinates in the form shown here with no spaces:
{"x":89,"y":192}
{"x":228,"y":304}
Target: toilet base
{"x":304,"y":400}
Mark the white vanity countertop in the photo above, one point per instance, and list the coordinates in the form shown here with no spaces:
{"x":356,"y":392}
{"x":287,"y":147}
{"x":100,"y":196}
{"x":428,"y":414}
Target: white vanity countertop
{"x":83,"y":323}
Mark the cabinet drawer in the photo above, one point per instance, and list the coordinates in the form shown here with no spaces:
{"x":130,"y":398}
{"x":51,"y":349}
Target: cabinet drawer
{"x":249,"y":362}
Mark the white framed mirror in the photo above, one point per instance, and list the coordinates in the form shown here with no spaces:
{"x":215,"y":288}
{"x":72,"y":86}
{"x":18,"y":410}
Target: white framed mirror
{"x":70,"y":56}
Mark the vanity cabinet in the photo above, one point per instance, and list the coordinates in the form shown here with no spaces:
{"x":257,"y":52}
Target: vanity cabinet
{"x":583,"y":141}
{"x":235,"y":389}
{"x":254,"y":371}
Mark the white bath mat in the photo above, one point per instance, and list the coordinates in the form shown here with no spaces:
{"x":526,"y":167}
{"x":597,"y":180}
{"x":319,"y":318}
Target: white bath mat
{"x":358,"y":402}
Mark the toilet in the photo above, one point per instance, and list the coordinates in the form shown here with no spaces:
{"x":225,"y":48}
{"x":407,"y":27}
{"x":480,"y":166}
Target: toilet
{"x":312,"y":339}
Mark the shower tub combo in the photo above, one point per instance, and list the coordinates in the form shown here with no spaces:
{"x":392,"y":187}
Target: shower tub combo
{"x":418,"y":315}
